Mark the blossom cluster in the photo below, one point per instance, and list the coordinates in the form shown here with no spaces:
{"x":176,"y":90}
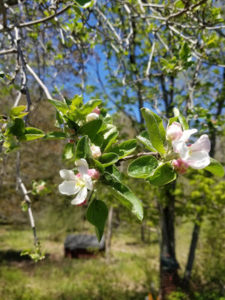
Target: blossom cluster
{"x":194,"y":155}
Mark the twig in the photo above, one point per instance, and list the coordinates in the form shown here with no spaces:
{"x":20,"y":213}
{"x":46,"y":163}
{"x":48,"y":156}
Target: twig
{"x":27,"y":199}
{"x":39,"y":81}
{"x":43,"y":20}
{"x":150,"y":60}
{"x":190,"y":8}
{"x":8,"y":51}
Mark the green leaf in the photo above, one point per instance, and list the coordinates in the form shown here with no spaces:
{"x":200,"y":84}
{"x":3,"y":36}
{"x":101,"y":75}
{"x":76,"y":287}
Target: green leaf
{"x":69,"y":151}
{"x":60,"y":106}
{"x":114,"y":171}
{"x":142,"y":167}
{"x":32,"y":133}
{"x":76,"y":102}
{"x":155,"y":129}
{"x":84,"y":3}
{"x":91,"y":129}
{"x":88,"y":107}
{"x":171,"y":120}
{"x":108,"y":159}
{"x":55,"y":135}
{"x":144,"y":139}
{"x":184,"y":52}
{"x":111,"y":138}
{"x":97,"y":214}
{"x":83,"y":148}
{"x":18,"y":112}
{"x":124,"y":195}
{"x":125,"y":148}
{"x":215,"y":168}
{"x":17,"y":128}
{"x":181,"y":118}
{"x":162,"y":175}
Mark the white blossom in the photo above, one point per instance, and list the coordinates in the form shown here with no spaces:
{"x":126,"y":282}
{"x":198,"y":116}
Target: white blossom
{"x":76,"y":184}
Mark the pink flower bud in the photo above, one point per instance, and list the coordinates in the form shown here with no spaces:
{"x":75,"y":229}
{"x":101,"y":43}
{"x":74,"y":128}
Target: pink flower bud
{"x":94,"y":174}
{"x":96,"y":110}
{"x":174,"y":131}
{"x":180,"y":166}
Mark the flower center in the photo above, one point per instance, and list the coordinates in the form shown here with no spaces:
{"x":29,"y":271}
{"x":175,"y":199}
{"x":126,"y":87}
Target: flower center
{"x":80,"y":182}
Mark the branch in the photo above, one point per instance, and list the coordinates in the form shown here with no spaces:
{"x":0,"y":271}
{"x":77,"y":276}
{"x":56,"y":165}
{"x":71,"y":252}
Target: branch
{"x":150,"y":60}
{"x":8,"y":51}
{"x":40,"y":82}
{"x":193,"y":6}
{"x":27,"y":199}
{"x":43,"y":20}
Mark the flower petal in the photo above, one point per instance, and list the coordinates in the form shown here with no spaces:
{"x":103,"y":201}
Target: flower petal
{"x":198,"y":159}
{"x":68,"y":188}
{"x":81,"y":197}
{"x":187,"y":133}
{"x":181,"y":148}
{"x":202,"y":144}
{"x":174,"y":131}
{"x":82,"y":166}
{"x":92,"y":116}
{"x":67,"y":174}
{"x":88,"y":182}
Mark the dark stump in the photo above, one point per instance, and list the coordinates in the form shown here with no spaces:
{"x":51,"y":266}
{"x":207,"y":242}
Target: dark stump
{"x":83,"y":246}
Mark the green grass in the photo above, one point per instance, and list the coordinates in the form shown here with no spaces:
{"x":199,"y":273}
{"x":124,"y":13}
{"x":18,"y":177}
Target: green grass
{"x":124,"y":277}
{"x":131,"y":273}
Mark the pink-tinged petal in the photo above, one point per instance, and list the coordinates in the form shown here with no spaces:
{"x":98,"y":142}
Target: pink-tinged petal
{"x":174,"y":131}
{"x":68,"y":188}
{"x":187,"y":133}
{"x":88,"y":182}
{"x":198,"y":159}
{"x":67,"y":174}
{"x":82,"y":166}
{"x":202,"y":144}
{"x":81,"y":197}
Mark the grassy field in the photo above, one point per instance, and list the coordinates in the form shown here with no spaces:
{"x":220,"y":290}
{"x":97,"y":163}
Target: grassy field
{"x":131,"y":273}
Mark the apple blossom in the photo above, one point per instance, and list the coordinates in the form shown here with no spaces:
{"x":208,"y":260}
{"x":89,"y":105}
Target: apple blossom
{"x":195,"y":155}
{"x":76,"y":184}
{"x":95,"y":151}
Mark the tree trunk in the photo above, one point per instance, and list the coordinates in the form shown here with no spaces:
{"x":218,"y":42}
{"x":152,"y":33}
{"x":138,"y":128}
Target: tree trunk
{"x":169,"y":279}
{"x":109,"y":234}
{"x":191,"y":256}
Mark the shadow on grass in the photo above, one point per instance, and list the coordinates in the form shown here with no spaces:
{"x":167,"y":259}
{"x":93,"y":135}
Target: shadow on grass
{"x":12,"y":255}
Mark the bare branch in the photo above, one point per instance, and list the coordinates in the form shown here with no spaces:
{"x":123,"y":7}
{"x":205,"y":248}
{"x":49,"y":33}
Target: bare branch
{"x":8,"y":51}
{"x":150,"y":60}
{"x":40,"y":82}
